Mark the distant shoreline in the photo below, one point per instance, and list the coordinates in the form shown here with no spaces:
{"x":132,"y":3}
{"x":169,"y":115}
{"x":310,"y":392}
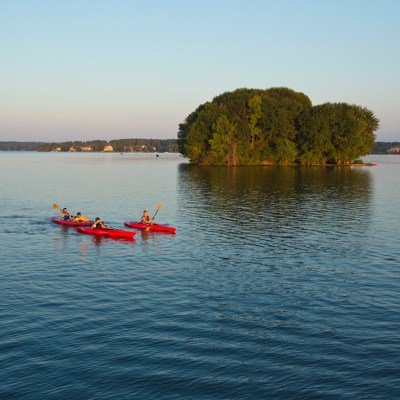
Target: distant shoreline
{"x":135,"y":146}
{"x":95,"y":146}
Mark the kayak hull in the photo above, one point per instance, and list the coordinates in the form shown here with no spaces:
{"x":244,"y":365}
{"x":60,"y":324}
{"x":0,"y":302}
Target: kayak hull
{"x":70,"y":223}
{"x":152,"y":227}
{"x":107,"y":232}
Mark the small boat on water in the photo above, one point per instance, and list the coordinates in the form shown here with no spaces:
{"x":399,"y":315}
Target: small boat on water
{"x":151,"y":227}
{"x":71,"y":223}
{"x":107,"y":232}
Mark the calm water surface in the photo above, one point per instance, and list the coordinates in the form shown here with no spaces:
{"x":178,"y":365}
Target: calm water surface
{"x":280,"y":283}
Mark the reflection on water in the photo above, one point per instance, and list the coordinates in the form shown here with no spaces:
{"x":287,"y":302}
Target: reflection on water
{"x":279,"y":283}
{"x":256,"y":197}
{"x":256,"y":219}
{"x":146,"y":235}
{"x":98,"y":239}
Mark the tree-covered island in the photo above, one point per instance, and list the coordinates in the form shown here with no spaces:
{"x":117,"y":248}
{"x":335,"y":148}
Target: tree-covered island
{"x":276,"y":126}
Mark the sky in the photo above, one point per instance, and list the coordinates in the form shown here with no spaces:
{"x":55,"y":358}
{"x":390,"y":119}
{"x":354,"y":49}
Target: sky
{"x":101,"y":69}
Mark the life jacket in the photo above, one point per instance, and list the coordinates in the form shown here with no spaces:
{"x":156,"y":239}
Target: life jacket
{"x":98,"y":225}
{"x":81,"y":219}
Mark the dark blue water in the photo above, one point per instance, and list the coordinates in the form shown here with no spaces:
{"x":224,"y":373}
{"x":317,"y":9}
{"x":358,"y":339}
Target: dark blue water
{"x":280,"y":283}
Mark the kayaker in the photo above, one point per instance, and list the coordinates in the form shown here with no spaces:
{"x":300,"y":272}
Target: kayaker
{"x":99,"y":225}
{"x":146,"y":219}
{"x":65,"y":215}
{"x":80,"y":218}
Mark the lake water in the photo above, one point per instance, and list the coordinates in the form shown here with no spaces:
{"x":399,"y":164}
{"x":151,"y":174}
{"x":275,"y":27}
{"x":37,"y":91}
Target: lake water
{"x":280,"y":283}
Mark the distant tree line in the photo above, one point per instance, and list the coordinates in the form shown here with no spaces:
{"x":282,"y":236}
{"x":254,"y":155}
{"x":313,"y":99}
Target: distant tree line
{"x":386,"y":148}
{"x":160,"y":145}
{"x":277,"y":126}
{"x":19,"y":146}
{"x":119,"y":145}
{"x":94,"y":145}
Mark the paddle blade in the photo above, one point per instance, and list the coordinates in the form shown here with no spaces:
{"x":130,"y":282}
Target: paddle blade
{"x":56,"y":206}
{"x":159,"y":206}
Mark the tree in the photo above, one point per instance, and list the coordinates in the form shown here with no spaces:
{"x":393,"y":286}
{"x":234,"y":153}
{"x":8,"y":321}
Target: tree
{"x":255,"y":114}
{"x":275,"y":126}
{"x":315,"y":135}
{"x":353,"y":132}
{"x":185,"y":127}
{"x":223,"y":146}
{"x":258,"y":117}
{"x":197,"y":145}
{"x":286,"y":152}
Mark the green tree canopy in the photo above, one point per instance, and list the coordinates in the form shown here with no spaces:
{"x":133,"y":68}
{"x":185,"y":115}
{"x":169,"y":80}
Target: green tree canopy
{"x":275,"y":126}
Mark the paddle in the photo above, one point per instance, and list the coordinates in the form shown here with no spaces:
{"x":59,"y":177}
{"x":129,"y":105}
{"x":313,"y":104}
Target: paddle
{"x":151,"y":223}
{"x":56,"y":206}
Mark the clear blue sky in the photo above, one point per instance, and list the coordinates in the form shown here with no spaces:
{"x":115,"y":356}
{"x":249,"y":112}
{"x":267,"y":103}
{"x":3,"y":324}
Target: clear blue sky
{"x":87,"y":69}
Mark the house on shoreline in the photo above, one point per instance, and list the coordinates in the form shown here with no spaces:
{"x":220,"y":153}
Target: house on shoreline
{"x":394,"y":149}
{"x":87,"y":148}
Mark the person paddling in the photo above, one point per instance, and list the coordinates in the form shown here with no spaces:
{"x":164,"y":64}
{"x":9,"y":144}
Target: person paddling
{"x":146,"y":219}
{"x":99,"y":225}
{"x":80,"y":218}
{"x":65,"y":215}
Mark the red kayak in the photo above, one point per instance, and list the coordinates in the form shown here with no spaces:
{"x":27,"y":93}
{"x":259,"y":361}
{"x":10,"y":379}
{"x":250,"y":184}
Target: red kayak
{"x":108,"y":232}
{"x":152,"y":227}
{"x":71,"y":223}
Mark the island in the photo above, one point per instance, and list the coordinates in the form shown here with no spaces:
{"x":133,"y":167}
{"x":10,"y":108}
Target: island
{"x":276,"y":126}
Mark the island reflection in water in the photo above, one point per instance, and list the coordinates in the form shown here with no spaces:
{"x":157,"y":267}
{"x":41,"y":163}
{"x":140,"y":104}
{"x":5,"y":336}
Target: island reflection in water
{"x":304,"y":212}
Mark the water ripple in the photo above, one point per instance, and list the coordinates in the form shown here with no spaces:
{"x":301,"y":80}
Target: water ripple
{"x":280,"y":282}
